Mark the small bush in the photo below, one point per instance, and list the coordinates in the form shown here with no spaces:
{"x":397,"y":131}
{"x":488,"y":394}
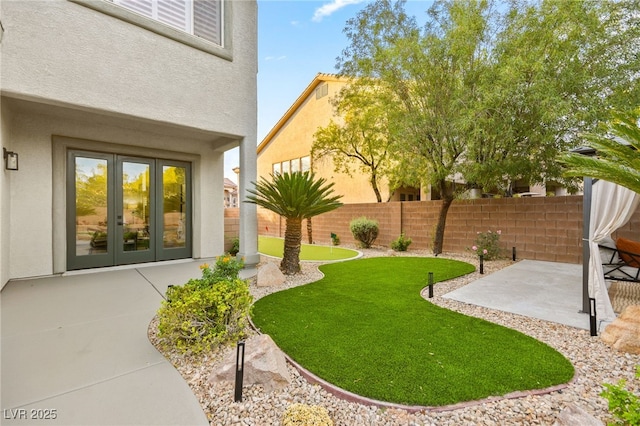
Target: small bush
{"x":208,"y":311}
{"x":488,"y":244}
{"x":235,"y":246}
{"x":227,"y":268}
{"x":401,"y":244}
{"x":306,"y":415}
{"x":623,"y":404}
{"x":364,"y":230}
{"x":335,"y":240}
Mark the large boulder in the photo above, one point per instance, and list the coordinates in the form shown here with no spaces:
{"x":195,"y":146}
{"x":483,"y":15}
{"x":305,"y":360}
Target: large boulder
{"x":264,"y":364}
{"x":269,"y":275}
{"x":623,"y":333}
{"x":574,"y":415}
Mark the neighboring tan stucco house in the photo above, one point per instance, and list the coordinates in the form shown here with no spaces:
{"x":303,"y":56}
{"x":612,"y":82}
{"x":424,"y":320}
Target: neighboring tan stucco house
{"x":287,"y":147}
{"x":120,"y":113}
{"x":230,"y":194}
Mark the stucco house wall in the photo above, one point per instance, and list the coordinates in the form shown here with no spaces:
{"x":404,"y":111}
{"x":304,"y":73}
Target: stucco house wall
{"x":75,"y":77}
{"x":292,"y":138}
{"x":5,"y":201}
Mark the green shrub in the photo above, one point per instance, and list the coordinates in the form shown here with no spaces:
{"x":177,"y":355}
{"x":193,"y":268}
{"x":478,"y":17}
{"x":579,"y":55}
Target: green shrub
{"x":364,"y":230}
{"x":401,"y":244}
{"x":488,"y":244}
{"x":623,"y":404}
{"x":208,"y":311}
{"x":235,"y":246}
{"x":306,"y":415}
{"x":335,"y":240}
{"x":227,"y":268}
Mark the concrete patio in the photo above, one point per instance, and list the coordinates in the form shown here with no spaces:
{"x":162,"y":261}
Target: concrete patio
{"x":549,"y":291}
{"x":77,"y":346}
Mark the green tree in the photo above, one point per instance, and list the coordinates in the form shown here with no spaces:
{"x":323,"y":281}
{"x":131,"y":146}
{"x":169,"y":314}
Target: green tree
{"x":361,"y":141}
{"x":558,"y":68}
{"x":488,"y":95}
{"x":430,"y":82}
{"x":618,"y":156}
{"x":295,"y":196}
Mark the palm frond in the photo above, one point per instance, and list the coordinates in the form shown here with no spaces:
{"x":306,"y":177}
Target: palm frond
{"x":618,"y":154}
{"x":295,"y":195}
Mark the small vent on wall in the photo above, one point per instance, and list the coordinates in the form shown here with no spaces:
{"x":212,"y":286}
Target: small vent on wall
{"x":322,"y":90}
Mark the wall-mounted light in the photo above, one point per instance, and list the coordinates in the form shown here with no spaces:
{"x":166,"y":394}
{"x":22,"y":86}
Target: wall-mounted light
{"x":10,"y":159}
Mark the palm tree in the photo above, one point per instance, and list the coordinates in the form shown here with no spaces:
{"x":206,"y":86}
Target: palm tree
{"x":295,"y":196}
{"x":618,"y":154}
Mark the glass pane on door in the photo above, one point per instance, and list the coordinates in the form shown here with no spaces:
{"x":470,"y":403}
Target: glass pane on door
{"x":136,"y":206}
{"x":91,"y":218}
{"x":124,"y":210}
{"x":174,"y":206}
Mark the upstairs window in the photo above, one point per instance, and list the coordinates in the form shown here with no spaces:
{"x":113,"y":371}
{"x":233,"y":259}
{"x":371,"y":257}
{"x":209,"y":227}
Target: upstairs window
{"x":201,"y":18}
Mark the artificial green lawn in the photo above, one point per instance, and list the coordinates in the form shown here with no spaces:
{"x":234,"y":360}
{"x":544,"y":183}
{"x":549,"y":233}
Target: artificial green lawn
{"x":272,"y":246}
{"x":365,"y":328}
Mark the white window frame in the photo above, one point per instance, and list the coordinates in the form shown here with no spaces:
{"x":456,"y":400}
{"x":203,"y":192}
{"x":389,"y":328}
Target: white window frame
{"x":224,"y":50}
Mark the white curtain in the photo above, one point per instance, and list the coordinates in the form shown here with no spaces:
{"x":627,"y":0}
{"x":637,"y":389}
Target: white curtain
{"x":611,"y":208}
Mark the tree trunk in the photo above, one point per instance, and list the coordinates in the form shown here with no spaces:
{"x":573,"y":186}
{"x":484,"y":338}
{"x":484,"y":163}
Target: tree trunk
{"x":309,"y":231}
{"x":290,"y":264}
{"x":447,"y":195}
{"x":374,"y":185}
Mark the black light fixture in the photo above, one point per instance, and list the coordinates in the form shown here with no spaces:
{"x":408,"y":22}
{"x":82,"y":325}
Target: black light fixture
{"x":10,"y":159}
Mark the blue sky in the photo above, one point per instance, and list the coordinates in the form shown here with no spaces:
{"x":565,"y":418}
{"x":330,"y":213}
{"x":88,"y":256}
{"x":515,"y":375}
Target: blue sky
{"x":296,"y":40}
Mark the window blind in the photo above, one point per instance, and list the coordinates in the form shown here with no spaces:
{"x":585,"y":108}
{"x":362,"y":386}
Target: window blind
{"x":202,"y":18}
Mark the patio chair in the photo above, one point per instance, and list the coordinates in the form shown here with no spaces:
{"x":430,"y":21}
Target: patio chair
{"x":621,"y":260}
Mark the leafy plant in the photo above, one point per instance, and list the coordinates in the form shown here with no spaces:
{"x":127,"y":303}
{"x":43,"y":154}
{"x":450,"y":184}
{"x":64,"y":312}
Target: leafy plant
{"x":226,"y":268}
{"x":402,"y":243}
{"x":364,"y":230}
{"x":617,"y":146}
{"x":488,"y":244}
{"x":335,"y":240}
{"x":207,"y":311}
{"x":306,"y":415}
{"x":235,"y":246}
{"x":295,"y":196}
{"x":624,"y":405}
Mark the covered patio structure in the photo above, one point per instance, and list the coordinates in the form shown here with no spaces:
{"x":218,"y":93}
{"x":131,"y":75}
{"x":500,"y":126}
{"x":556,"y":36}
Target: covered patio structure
{"x":607,"y":207}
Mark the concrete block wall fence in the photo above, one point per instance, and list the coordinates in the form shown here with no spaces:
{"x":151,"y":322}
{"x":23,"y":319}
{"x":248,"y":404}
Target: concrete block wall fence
{"x":541,"y":228}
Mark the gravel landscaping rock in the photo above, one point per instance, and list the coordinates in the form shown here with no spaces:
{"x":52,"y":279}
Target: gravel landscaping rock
{"x":595,"y":364}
